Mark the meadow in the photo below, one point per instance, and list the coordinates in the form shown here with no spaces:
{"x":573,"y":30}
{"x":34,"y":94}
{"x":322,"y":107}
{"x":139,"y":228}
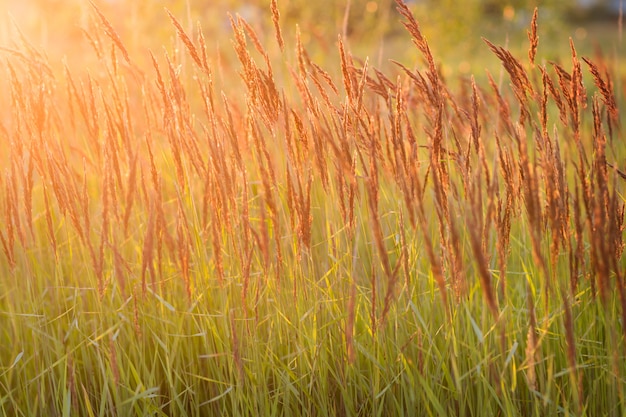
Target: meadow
{"x":277,"y":234}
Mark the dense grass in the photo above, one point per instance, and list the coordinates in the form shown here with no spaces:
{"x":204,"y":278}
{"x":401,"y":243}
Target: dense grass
{"x":286,"y":237}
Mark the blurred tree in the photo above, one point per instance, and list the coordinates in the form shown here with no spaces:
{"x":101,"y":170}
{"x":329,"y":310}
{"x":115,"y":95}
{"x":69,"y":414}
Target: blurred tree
{"x":446,"y":22}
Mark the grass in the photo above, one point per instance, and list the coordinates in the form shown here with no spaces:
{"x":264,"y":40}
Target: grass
{"x":186,"y":236}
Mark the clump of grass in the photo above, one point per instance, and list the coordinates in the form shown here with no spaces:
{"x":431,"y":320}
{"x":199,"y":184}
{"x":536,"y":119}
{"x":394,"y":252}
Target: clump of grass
{"x":182,"y":239}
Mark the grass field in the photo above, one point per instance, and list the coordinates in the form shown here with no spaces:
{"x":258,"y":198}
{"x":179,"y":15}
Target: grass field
{"x":188,"y":234}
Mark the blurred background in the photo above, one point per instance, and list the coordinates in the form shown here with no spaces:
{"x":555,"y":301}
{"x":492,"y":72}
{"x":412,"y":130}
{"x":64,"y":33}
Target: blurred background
{"x":372,"y":27}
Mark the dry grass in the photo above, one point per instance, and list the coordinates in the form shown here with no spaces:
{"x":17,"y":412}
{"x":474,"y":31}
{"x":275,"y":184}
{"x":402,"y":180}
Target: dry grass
{"x":271,"y":196}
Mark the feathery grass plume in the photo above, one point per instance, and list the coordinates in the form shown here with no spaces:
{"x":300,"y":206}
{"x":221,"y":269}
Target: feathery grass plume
{"x":319,"y":72}
{"x":249,"y":30}
{"x":300,"y":54}
{"x":420,"y":41}
{"x":361,"y":89}
{"x":167,"y":111}
{"x":564,"y":81}
{"x":174,"y":136}
{"x":177,"y":94}
{"x":301,"y":84}
{"x":440,"y":178}
{"x":530,"y":190}
{"x":475,"y":124}
{"x":346,"y":64}
{"x":203,"y":51}
{"x":114,"y":61}
{"x":187,"y":41}
{"x":316,"y":74}
{"x":372,"y":185}
{"x":93,"y":38}
{"x":504,"y":110}
{"x":269,"y":164}
{"x":276,"y":21}
{"x":232,"y":133}
{"x":110,"y":32}
{"x":293,"y":151}
{"x":320,"y":152}
{"x":533,"y":38}
{"x":608,"y":95}
{"x":479,"y":146}
{"x":260,"y":84}
{"x":250,"y":72}
{"x":555,"y":214}
{"x":38,"y":63}
{"x":475,"y":227}
{"x":378,"y":85}
{"x":599,"y":213}
{"x":578,"y":91}
{"x":89,"y":111}
{"x":522,"y":86}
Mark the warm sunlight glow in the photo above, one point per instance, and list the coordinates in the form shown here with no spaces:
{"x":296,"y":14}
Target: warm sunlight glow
{"x":298,"y":208}
{"x":50,"y":24}
{"x":508,"y":13}
{"x":371,"y":6}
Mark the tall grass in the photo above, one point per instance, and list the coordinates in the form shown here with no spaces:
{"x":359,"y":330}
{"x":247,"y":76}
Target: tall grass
{"x":289,"y":239}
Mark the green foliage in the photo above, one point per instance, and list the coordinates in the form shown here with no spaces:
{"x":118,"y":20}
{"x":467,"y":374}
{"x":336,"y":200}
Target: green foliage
{"x":446,"y":23}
